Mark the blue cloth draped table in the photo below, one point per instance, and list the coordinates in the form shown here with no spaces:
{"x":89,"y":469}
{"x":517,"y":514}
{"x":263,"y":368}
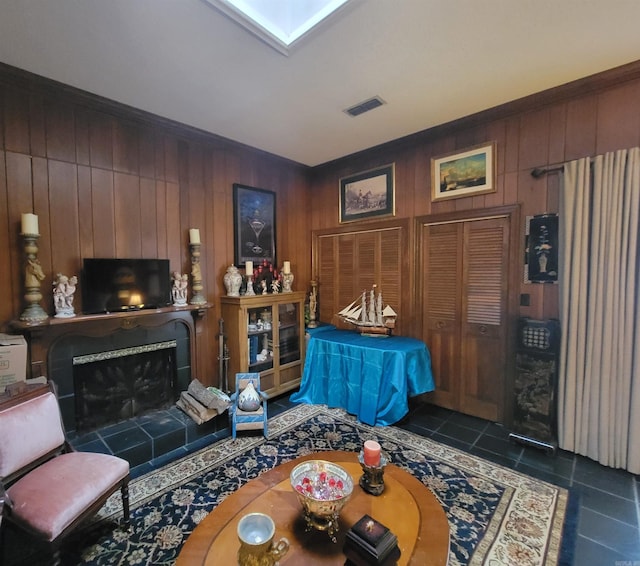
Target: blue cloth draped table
{"x":370,"y":377}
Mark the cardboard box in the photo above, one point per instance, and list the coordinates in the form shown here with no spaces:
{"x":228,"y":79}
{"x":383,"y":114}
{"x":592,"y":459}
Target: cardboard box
{"x":13,"y":360}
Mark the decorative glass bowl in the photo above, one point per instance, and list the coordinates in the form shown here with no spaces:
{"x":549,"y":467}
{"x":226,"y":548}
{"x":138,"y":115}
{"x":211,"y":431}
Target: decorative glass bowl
{"x":323,"y":489}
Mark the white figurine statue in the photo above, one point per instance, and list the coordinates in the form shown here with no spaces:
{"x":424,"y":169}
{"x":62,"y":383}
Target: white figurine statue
{"x":287,"y":282}
{"x":179,"y":288}
{"x":64,"y":289}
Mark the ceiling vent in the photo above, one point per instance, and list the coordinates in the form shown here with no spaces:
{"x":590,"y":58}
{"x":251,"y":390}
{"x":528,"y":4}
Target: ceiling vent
{"x":365,"y":106}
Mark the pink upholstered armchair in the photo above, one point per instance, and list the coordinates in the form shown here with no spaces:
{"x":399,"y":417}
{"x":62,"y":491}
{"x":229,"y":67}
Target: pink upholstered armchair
{"x":46,"y":488}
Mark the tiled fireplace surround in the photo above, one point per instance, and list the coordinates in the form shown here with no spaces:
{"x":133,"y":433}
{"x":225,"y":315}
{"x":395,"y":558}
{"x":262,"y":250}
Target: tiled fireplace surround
{"x":145,"y":439}
{"x":63,"y":352}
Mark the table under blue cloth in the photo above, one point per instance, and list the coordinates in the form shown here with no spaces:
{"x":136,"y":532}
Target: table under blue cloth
{"x":370,"y":377}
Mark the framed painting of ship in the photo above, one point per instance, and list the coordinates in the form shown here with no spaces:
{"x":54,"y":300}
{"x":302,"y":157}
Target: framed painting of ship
{"x":462,"y":174}
{"x":254,"y":224}
{"x":368,"y":194}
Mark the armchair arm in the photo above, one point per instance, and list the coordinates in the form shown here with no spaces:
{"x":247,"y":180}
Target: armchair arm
{"x":5,"y":502}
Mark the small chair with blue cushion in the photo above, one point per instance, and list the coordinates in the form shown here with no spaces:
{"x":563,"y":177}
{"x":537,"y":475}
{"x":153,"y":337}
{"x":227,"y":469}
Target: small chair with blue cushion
{"x":248,"y":410}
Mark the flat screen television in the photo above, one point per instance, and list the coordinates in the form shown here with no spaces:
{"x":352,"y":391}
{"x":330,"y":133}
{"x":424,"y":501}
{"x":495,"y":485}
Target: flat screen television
{"x":115,"y":285}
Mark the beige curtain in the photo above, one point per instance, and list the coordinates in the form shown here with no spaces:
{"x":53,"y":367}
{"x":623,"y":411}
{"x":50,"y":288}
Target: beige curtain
{"x":599,"y":374}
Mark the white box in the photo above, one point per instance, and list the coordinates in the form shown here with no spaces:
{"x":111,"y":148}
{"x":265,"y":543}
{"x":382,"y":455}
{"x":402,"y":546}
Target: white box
{"x":13,"y":360}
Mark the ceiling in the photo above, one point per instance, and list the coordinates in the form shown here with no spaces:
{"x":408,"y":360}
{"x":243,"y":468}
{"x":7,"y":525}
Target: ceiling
{"x":431,"y":61}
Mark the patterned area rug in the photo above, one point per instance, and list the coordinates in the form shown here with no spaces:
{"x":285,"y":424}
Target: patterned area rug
{"x":496,"y":516}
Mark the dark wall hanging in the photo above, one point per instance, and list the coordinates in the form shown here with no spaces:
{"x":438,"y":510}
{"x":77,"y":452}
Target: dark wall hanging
{"x":542,"y":249}
{"x":254,"y":225}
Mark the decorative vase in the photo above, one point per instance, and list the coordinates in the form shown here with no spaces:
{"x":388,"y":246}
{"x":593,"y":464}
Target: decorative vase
{"x":233,"y":281}
{"x":542,"y":262}
{"x":249,"y":400}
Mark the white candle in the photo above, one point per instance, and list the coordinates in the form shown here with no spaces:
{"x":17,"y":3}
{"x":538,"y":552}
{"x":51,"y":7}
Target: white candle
{"x":287,"y":267}
{"x":194,"y":236}
{"x":248,"y":267}
{"x":29,"y":223}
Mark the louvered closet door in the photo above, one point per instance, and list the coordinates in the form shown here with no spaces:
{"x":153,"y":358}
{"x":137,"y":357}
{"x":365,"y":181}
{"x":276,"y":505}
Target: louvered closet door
{"x":484,"y":308}
{"x":442,"y":261}
{"x":465,"y":274}
{"x":352,"y":262}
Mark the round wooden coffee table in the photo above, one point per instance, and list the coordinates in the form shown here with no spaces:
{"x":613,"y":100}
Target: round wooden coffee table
{"x":406,"y":506}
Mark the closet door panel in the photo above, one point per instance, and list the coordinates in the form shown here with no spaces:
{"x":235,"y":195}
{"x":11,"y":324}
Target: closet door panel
{"x":345,"y":274}
{"x":484,"y":307}
{"x":442,"y":264}
{"x":390,"y":278}
{"x":327,"y":259}
{"x":352,"y":262}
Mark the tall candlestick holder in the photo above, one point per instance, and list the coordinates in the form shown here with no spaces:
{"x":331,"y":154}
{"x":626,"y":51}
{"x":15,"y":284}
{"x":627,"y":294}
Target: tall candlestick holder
{"x":32,"y":277}
{"x":196,"y":276}
{"x":372,"y":479}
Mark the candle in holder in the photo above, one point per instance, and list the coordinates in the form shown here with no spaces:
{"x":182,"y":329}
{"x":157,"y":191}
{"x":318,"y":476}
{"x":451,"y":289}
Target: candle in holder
{"x":30,"y":224}
{"x":248,"y":267}
{"x":287,"y":267}
{"x":194,"y":236}
{"x":371,"y":453}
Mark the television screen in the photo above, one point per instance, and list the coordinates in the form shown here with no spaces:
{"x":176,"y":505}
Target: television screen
{"x":114,"y":285}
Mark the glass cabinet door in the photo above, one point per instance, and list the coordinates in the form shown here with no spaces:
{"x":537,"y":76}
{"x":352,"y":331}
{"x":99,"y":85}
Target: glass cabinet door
{"x":260,"y":338}
{"x":289,"y":332}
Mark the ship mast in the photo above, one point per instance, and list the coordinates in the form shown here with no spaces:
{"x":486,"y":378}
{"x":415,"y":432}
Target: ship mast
{"x":372,"y":305}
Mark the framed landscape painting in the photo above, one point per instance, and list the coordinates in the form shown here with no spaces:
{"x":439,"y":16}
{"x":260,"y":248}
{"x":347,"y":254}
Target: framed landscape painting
{"x":254,"y":224}
{"x":368,"y":194}
{"x":463,"y":174}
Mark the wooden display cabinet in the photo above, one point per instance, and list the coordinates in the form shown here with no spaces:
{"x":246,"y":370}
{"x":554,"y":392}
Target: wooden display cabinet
{"x":265,"y":334}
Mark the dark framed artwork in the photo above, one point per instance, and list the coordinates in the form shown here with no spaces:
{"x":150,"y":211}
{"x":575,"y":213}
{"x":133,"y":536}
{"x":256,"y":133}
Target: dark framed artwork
{"x":542,"y":248}
{"x":254,"y":225}
{"x":464,"y":173}
{"x":368,"y":194}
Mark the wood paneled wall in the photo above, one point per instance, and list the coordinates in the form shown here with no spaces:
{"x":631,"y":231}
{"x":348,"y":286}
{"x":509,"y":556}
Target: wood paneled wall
{"x":581,"y":119}
{"x":109,"y":181}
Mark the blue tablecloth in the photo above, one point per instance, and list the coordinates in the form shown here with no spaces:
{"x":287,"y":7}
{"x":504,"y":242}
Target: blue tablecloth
{"x":371,"y":377}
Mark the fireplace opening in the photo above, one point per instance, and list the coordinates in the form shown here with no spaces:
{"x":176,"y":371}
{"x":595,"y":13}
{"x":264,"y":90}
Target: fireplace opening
{"x":120,"y":384}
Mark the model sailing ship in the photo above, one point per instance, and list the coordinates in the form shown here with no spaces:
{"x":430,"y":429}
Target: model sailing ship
{"x":369,"y":316}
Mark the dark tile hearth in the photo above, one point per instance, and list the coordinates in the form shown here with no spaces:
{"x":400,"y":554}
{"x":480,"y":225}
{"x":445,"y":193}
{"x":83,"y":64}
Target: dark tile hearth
{"x":609,"y":504}
{"x":156,"y":438}
{"x":153,"y":439}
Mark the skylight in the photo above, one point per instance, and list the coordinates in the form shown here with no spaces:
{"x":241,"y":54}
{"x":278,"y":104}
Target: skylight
{"x":278,"y":22}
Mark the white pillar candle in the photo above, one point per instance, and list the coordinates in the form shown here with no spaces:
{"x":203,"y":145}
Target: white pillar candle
{"x":29,"y":223}
{"x":287,"y":267}
{"x":248,"y":267}
{"x":194,"y":236}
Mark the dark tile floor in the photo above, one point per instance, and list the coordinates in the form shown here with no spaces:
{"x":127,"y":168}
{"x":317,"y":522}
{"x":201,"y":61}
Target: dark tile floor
{"x":609,"y":502}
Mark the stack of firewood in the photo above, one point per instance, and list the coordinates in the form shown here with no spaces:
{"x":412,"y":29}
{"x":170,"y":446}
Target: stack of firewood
{"x":202,"y":403}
